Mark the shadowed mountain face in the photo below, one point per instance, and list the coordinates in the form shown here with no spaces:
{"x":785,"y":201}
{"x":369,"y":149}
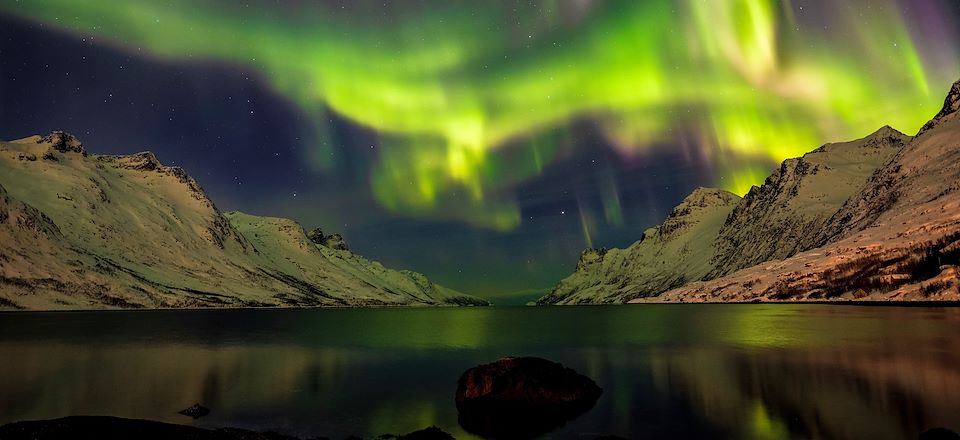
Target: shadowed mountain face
{"x":775,"y":220}
{"x":898,"y":238}
{"x":875,"y":218}
{"x":86,"y":231}
{"x":666,"y":256}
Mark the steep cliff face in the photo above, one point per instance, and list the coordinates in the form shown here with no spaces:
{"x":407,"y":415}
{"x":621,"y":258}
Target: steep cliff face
{"x":669,"y":255}
{"x":785,"y":214}
{"x":898,"y":237}
{"x":87,"y":231}
{"x":885,"y":187}
{"x":948,"y":113}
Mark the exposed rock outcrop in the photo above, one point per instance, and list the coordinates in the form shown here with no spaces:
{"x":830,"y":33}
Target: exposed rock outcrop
{"x":590,"y":257}
{"x":63,"y":142}
{"x":949,"y":112}
{"x":332,"y":241}
{"x":195,"y":411}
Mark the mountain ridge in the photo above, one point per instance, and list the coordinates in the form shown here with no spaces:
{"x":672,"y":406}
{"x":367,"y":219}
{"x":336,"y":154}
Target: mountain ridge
{"x":802,"y":195}
{"x":881,"y":224}
{"x":126,"y":231}
{"x":618,"y":275}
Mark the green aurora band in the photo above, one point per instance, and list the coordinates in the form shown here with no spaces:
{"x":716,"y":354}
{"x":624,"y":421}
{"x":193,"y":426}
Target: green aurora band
{"x":470,"y":98}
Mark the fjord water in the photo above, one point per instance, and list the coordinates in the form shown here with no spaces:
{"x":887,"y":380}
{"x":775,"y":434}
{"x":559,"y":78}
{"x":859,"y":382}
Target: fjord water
{"x":668,"y":371}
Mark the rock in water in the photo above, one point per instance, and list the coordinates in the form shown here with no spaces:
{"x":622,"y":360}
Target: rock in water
{"x":522,"y":397}
{"x":524,"y":381}
{"x":196,"y":411}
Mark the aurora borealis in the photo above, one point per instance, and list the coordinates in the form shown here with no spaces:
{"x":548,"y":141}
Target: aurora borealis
{"x":496,"y":138}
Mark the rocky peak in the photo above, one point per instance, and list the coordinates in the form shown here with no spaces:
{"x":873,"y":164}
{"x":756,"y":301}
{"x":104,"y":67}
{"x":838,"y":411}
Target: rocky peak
{"x":949,"y":112}
{"x":590,"y":256}
{"x":147,"y":161}
{"x":886,"y":132}
{"x":63,"y":142}
{"x":883,"y":137}
{"x":143,"y":161}
{"x":332,"y":241}
{"x":704,"y":198}
{"x":953,"y":98}
{"x":700,"y":200}
{"x":336,"y":241}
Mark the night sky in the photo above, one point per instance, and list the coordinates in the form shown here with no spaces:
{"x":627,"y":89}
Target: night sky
{"x":484,"y":144}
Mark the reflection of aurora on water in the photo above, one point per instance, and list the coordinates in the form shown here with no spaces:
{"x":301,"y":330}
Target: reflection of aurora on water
{"x":461,"y":97}
{"x":674,"y":371}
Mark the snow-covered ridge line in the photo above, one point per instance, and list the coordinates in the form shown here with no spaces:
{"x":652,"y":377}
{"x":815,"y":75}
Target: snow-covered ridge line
{"x":872,"y":219}
{"x":82,"y":231}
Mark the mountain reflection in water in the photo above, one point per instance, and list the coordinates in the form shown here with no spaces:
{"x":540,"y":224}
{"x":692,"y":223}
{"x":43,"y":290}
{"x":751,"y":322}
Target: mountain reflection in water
{"x":722,"y":371}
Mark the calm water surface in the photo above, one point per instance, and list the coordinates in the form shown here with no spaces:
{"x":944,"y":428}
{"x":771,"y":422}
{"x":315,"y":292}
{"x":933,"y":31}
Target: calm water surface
{"x":668,"y":371}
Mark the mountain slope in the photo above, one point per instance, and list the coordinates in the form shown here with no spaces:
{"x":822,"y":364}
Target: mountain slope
{"x":775,"y":220}
{"x":86,"y":231}
{"x":675,"y":252}
{"x":899,"y":237}
{"x":820,"y":198}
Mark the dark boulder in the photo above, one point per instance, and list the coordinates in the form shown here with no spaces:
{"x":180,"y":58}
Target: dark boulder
{"x":196,"y":411}
{"x":50,"y":156}
{"x":939,"y":434}
{"x":522,"y":397}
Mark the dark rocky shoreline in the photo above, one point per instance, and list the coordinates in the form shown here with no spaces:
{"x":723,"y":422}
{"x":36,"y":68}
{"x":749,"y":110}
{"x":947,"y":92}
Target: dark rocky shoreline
{"x":117,"y":428}
{"x":106,"y":428}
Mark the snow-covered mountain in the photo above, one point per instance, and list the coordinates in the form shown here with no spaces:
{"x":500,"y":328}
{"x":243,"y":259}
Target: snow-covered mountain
{"x":876,"y":219}
{"x":898,"y":238}
{"x":667,"y":256}
{"x":82,"y":231}
{"x":775,"y":220}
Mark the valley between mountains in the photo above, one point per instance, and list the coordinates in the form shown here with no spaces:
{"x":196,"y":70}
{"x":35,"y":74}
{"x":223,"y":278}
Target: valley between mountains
{"x":875,"y":219}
